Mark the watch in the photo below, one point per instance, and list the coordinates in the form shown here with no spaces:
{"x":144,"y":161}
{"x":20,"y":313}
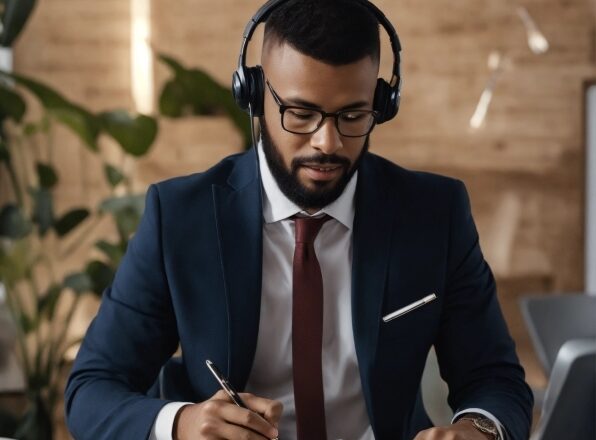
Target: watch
{"x":483,"y":424}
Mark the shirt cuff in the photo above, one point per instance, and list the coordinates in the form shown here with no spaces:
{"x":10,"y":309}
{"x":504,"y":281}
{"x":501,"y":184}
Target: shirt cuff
{"x":164,"y":422}
{"x":485,"y":414}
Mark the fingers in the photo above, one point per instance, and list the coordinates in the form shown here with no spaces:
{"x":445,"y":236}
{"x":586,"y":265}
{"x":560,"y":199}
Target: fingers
{"x":233,"y":432}
{"x":271,"y":410}
{"x":219,"y":418}
{"x":241,"y":417}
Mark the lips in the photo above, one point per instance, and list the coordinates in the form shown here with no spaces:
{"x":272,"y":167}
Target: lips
{"x":323,"y":167}
{"x":322,"y":172}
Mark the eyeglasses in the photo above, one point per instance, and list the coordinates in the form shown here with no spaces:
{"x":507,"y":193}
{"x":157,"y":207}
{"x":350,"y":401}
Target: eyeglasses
{"x":303,"y":120}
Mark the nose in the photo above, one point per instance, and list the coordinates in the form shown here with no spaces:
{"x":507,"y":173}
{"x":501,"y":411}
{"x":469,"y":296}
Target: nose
{"x":326,"y":139}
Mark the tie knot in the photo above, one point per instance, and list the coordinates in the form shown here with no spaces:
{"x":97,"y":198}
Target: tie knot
{"x":307,"y":228}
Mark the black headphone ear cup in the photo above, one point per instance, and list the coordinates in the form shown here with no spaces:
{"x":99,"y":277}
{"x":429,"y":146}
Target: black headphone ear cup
{"x":247,"y":88}
{"x":257,"y":89}
{"x":240,"y":88}
{"x":386,"y":101}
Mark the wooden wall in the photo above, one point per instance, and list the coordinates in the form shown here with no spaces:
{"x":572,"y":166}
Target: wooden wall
{"x":524,"y":169}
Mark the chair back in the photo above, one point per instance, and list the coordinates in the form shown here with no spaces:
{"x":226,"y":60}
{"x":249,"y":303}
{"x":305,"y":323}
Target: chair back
{"x":570,"y":401}
{"x":554,"y":319}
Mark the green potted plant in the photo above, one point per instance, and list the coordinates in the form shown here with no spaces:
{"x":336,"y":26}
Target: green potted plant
{"x":30,"y":229}
{"x":41,"y":298}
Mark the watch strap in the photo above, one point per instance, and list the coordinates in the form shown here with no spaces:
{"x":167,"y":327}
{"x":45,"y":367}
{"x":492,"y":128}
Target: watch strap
{"x":483,"y":424}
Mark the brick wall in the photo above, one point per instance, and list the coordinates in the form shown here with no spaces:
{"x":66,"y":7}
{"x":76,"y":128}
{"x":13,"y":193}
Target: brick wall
{"x":524,"y":167}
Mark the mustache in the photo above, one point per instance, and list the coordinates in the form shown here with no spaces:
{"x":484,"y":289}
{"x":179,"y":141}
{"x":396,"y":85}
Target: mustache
{"x":321,"y":159}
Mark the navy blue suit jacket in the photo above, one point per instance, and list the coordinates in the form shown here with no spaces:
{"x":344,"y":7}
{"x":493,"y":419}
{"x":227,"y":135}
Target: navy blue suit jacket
{"x":192,"y":275}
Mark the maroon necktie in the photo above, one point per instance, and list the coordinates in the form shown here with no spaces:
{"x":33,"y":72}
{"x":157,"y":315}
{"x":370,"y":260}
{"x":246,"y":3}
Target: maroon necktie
{"x":307,"y":332}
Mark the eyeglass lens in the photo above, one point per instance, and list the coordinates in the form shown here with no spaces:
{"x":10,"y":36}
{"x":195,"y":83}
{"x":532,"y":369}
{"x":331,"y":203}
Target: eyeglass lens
{"x":349,"y":123}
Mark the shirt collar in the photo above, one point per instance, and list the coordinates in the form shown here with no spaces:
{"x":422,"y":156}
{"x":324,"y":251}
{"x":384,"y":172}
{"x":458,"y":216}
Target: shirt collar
{"x":276,"y":206}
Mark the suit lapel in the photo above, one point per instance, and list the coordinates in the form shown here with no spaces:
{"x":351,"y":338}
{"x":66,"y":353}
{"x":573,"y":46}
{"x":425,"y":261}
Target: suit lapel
{"x":238,"y":210}
{"x":373,"y":225}
{"x":239,"y":226}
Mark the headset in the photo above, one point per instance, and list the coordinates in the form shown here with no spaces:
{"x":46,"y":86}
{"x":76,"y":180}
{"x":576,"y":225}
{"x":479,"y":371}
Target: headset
{"x":248,"y":84}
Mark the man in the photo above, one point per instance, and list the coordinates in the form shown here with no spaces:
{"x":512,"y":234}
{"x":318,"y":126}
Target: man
{"x":222,"y":263}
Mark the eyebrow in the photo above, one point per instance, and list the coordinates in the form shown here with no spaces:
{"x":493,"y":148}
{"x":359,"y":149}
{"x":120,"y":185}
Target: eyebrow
{"x":303,"y":103}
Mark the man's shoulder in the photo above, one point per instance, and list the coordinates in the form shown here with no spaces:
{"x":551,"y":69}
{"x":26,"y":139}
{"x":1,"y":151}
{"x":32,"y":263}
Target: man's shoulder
{"x":409,"y":180}
{"x":200,"y":182}
{"x":415,"y":194}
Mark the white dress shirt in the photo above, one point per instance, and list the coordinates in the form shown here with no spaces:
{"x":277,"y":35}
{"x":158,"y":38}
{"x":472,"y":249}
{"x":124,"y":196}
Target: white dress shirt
{"x":271,"y":374}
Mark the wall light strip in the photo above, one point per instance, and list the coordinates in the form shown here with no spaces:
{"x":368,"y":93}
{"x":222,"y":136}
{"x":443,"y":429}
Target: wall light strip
{"x":141,"y":56}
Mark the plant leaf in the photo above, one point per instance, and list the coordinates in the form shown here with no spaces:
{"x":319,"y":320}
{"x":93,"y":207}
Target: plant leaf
{"x":13,"y":223}
{"x":30,"y":128}
{"x":80,"y":121}
{"x":47,"y":303}
{"x":114,"y":252}
{"x":15,"y":16}
{"x":47,"y":175}
{"x":70,"y":221}
{"x":127,"y":222}
{"x":79,"y":282}
{"x":36,"y":424}
{"x":43,"y":209}
{"x":114,"y":175}
{"x":134,"y":134}
{"x":114,"y":204}
{"x":101,"y":276}
{"x":127,"y":212}
{"x":194,"y":92}
{"x":172,"y":100}
{"x":27,"y":323}
{"x":12,"y":105}
{"x":15,"y":262}
{"x":4,"y":153}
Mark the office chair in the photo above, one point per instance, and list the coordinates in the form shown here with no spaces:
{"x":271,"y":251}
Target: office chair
{"x":554,"y":319}
{"x":569,"y":408}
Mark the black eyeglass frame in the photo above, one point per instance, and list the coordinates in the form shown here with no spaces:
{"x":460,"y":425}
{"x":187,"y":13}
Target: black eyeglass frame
{"x":324,"y":115}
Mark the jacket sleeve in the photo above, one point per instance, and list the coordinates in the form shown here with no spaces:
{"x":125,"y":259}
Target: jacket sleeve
{"x":133,"y":334}
{"x":476,"y":354}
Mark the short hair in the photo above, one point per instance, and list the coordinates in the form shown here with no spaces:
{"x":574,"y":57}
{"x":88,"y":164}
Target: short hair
{"x":336,"y":32}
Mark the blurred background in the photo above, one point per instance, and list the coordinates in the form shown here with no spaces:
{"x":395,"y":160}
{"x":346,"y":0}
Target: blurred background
{"x":100,"y":98}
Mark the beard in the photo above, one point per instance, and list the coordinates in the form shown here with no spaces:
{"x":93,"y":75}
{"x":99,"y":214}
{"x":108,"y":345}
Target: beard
{"x":289,"y":183}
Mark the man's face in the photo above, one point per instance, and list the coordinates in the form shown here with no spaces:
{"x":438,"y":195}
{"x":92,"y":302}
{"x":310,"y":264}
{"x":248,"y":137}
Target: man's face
{"x":313,"y":169}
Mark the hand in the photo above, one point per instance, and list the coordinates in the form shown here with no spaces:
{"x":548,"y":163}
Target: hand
{"x":460,"y":430}
{"x":219,"y":418}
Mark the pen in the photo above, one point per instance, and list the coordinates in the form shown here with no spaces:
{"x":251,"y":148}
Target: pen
{"x":410,"y":307}
{"x":226,"y":386}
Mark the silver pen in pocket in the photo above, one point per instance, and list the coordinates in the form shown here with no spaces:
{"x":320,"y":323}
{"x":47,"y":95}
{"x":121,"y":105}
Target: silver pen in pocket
{"x":409,"y":307}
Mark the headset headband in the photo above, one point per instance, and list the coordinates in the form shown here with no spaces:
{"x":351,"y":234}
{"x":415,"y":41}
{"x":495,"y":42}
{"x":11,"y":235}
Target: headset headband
{"x":264,"y":11}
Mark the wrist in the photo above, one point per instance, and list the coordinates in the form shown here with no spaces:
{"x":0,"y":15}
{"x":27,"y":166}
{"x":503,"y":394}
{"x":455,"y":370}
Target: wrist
{"x":482,"y":424}
{"x":176,"y":435}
